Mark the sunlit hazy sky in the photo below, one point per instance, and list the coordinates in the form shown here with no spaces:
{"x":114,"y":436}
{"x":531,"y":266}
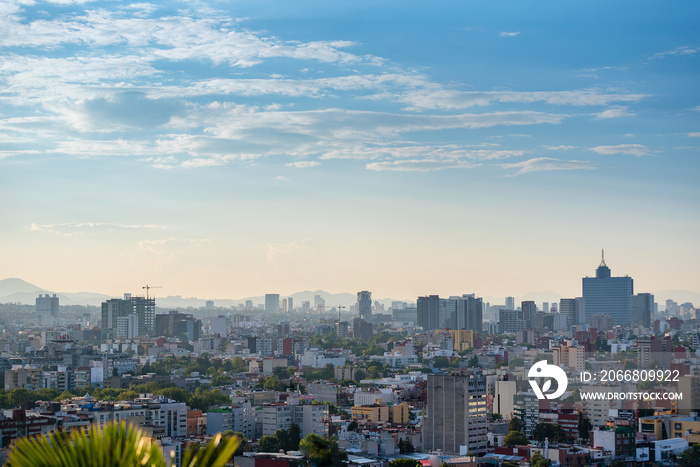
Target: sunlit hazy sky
{"x":228,"y":149}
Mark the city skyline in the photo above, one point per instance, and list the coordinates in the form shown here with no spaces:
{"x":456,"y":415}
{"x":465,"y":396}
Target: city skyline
{"x":231,"y":150}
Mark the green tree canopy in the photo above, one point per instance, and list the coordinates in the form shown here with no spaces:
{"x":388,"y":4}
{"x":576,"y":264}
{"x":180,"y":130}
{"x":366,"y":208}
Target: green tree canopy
{"x":405,"y":447}
{"x":690,"y":457}
{"x":538,"y":460}
{"x":515,"y":437}
{"x":584,"y":427}
{"x":268,"y":444}
{"x":289,"y":439}
{"x":548,"y":430}
{"x":514,"y":424}
{"x":322,"y":452}
{"x":404,"y":462}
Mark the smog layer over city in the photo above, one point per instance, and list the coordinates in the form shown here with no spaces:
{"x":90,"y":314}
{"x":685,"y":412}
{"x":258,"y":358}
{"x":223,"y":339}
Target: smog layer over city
{"x":362,"y":234}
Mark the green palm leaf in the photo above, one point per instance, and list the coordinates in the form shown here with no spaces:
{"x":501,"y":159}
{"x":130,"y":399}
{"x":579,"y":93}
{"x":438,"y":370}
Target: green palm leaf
{"x":113,"y":445}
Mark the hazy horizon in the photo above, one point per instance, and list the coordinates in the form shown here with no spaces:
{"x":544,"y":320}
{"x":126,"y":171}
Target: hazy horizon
{"x":235,"y":149}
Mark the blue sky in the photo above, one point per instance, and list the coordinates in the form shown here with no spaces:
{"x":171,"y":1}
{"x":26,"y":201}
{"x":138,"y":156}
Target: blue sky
{"x":226,"y":149}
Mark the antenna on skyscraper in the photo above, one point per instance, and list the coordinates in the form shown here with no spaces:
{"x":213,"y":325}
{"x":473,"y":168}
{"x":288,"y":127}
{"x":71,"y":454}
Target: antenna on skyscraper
{"x":602,"y":254}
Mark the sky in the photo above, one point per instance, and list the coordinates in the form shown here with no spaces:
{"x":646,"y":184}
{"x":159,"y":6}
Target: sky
{"x":230,"y":149}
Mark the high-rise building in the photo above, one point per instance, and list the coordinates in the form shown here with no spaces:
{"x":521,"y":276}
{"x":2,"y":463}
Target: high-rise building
{"x":272,"y":302}
{"x":284,"y":329}
{"x":290,"y":304}
{"x":604,"y":294}
{"x":529,"y":311}
{"x":600,"y":321}
{"x":567,"y":307}
{"x":510,"y":303}
{"x":248,"y":305}
{"x":447,"y":314}
{"x":176,"y":324}
{"x":361,"y":329}
{"x":145,"y":308}
{"x":319,"y":304}
{"x":456,"y":312}
{"x":342,"y":329}
{"x":580,"y":310}
{"x":364,"y":305}
{"x":128,"y":326}
{"x":429,"y":312}
{"x":469,"y":311}
{"x":47,"y":307}
{"x":510,"y":321}
{"x":526,"y":407}
{"x":112,"y":310}
{"x":642,"y":309}
{"x":455,"y":419}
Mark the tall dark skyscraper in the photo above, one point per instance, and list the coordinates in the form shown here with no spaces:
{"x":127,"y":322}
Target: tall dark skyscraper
{"x":567,"y":307}
{"x":174,"y":324}
{"x":145,"y":309}
{"x":469,"y":311}
{"x":642,"y":309}
{"x":364,"y":305}
{"x":429,"y":312}
{"x":456,"y":312}
{"x":604,"y":294}
{"x":112,"y":310}
{"x":529,"y":311}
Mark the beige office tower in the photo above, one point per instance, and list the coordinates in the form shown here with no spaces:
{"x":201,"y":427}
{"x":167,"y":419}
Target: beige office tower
{"x":456,"y":415}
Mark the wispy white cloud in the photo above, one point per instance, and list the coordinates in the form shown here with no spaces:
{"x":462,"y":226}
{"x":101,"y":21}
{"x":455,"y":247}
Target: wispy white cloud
{"x":615,"y":112}
{"x":420,"y":165}
{"x":116,"y":147}
{"x":631,"y":149}
{"x":438,"y":97}
{"x":539,"y":164}
{"x":20,"y":152}
{"x":177,"y":37}
{"x":303,"y":164}
{"x":561,"y":147}
{"x":282,"y":178}
{"x":509,"y":34}
{"x":682,"y":51}
{"x":694,"y":134}
{"x":418,"y":151}
{"x":167,"y":162}
{"x":79,"y":228}
{"x":365,"y":125}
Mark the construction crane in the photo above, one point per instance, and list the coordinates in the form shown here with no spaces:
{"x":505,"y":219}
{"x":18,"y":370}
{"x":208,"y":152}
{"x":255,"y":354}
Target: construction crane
{"x":148,"y":287}
{"x":339,"y":307}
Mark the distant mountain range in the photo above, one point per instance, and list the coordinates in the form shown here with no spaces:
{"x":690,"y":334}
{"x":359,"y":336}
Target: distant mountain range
{"x":14,"y":290}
